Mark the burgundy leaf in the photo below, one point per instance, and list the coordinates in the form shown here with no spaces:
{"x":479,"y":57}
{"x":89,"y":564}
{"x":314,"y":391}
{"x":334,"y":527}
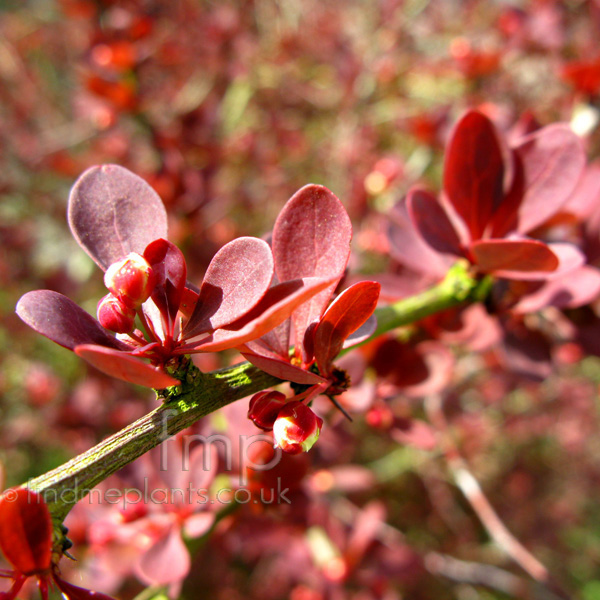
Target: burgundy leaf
{"x":62,"y":321}
{"x":113,"y":212}
{"x":311,"y":238}
{"x":25,"y":531}
{"x":347,"y":313}
{"x":72,"y":592}
{"x":282,"y":369}
{"x":569,"y":258}
{"x":278,"y":339}
{"x":236,"y":279}
{"x":124,"y":366}
{"x":276,"y":306}
{"x":410,"y":249}
{"x":432,"y":222}
{"x":169,"y":267}
{"x":553,"y":160}
{"x":513,"y":255}
{"x":474,"y":171}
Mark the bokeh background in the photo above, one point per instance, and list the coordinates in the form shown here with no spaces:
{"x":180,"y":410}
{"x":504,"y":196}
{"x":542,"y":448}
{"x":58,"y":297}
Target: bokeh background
{"x":227,"y":108}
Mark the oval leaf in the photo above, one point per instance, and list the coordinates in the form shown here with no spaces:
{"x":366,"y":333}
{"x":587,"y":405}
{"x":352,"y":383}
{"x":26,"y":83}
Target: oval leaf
{"x":311,"y":238}
{"x":552,"y":160}
{"x":409,"y":248}
{"x":513,"y":255}
{"x":236,"y":279}
{"x":25,"y":531}
{"x":347,"y":313}
{"x":61,"y":320}
{"x":169,"y":267}
{"x":276,"y":306}
{"x":569,"y":258}
{"x":432,"y":222}
{"x":124,"y":366}
{"x":113,"y":212}
{"x":474,"y":171}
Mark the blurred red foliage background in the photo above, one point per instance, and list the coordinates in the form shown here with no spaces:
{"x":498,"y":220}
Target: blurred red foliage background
{"x":226,"y":109}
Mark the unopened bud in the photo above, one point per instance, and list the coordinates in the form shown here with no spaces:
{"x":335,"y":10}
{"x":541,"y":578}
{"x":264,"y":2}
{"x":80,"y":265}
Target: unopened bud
{"x":114,"y":315}
{"x":296,"y":428}
{"x":131,"y":280}
{"x":264,"y":408}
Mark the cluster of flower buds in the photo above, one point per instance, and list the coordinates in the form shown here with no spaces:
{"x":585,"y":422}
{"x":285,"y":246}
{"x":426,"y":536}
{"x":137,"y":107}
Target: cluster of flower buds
{"x":130,"y":281}
{"x":295,"y":426}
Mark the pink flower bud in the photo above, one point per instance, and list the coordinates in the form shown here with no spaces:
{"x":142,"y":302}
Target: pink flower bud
{"x":114,"y":315}
{"x":131,"y":280}
{"x":264,"y":408}
{"x":296,"y":428}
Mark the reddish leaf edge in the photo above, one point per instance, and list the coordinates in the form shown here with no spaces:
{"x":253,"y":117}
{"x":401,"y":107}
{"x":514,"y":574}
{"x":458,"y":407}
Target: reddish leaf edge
{"x":124,"y":366}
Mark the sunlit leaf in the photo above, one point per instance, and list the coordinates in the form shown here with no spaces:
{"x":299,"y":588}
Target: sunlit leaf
{"x":513,"y":255}
{"x":474,"y":171}
{"x":124,"y":366}
{"x":345,"y":315}
{"x":311,"y":238}
{"x":276,"y":306}
{"x":236,"y":279}
{"x":61,"y":320}
{"x":113,"y":212}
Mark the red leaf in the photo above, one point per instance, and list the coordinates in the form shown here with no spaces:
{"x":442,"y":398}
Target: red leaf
{"x":124,"y":366}
{"x":347,"y":313}
{"x":569,"y":258}
{"x":72,"y":592}
{"x":236,"y":279}
{"x":409,"y":248}
{"x":311,"y":238}
{"x":113,"y":212}
{"x":61,"y":320}
{"x":276,"y":306}
{"x":169,"y":267}
{"x":553,"y":160}
{"x":474,"y":171}
{"x":513,"y":255}
{"x":282,"y":369}
{"x":432,"y":222}
{"x":25,"y":531}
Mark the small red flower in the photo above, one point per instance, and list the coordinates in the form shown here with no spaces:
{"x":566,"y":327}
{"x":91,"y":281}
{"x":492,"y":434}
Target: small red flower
{"x":114,"y":315}
{"x":264,"y":408}
{"x":131,"y":280}
{"x":296,"y":428}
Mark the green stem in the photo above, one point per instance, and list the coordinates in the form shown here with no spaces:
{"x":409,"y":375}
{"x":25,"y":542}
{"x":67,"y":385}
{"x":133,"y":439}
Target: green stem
{"x":203,"y":393}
